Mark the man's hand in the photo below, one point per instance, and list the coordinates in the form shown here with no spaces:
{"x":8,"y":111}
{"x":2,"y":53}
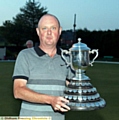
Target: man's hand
{"x":59,"y":104}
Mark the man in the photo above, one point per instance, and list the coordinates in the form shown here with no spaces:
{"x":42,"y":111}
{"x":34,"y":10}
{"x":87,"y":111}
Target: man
{"x":29,"y":43}
{"x":40,"y":74}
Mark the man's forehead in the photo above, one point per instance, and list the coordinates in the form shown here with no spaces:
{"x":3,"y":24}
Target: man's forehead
{"x":46,"y":19}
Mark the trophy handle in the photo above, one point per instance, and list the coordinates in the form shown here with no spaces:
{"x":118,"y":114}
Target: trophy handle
{"x":94,"y":51}
{"x":62,"y":54}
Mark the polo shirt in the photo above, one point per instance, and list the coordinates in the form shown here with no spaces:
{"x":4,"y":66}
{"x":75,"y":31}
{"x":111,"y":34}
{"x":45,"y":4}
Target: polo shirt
{"x":44,"y":75}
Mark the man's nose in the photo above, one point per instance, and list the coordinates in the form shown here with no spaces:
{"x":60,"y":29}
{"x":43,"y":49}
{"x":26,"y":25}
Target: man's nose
{"x":49,"y":32}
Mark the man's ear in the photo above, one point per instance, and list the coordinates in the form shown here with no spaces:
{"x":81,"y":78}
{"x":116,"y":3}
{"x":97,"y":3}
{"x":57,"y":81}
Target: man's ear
{"x":60,"y":30}
{"x":37,"y":30}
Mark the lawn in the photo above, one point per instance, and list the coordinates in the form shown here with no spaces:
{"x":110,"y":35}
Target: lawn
{"x":9,"y":106}
{"x":105,"y":77}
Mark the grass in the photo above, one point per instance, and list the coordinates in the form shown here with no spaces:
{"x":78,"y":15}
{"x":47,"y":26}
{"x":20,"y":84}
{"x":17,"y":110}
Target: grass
{"x":105,"y":77}
{"x":9,"y":106}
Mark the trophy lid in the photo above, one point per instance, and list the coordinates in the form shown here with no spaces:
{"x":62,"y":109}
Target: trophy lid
{"x":79,"y":46}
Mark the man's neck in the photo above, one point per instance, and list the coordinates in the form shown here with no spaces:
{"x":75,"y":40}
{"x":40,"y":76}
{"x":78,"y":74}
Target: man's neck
{"x":51,"y":51}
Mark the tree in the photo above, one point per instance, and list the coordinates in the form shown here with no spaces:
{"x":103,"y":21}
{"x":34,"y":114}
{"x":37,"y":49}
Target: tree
{"x":23,"y":26}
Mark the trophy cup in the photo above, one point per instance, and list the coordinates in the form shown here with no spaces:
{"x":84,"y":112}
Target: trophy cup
{"x":80,"y":92}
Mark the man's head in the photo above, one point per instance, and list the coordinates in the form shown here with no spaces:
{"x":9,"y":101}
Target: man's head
{"x":48,"y":30}
{"x":29,"y":43}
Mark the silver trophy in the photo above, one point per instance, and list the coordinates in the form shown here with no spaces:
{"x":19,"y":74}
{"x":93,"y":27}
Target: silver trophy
{"x":80,"y":92}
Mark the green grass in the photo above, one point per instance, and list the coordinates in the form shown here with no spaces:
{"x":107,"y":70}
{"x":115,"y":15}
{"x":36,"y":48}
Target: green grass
{"x":105,"y":77}
{"x":8,"y":105}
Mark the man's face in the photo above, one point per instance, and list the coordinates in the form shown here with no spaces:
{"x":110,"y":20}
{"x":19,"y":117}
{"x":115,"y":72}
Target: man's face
{"x":48,"y":31}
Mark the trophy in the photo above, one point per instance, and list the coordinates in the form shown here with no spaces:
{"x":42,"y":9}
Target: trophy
{"x":80,"y":92}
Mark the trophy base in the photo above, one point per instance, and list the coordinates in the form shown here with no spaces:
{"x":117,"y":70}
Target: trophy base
{"x":83,"y":96}
{"x":80,"y":106}
{"x":81,"y":78}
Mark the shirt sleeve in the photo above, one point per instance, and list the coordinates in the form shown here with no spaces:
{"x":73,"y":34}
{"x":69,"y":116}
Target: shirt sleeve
{"x":21,"y":68}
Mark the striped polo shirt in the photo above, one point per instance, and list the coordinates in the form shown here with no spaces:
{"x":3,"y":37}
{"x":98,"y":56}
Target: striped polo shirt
{"x":44,"y":75}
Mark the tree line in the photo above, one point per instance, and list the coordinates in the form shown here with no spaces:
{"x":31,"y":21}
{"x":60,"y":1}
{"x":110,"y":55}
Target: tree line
{"x":106,"y":41}
{"x":23,"y":27}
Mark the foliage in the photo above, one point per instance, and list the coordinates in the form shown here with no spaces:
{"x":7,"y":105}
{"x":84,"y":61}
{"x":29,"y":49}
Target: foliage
{"x":106,"y":41}
{"x":22,"y":27}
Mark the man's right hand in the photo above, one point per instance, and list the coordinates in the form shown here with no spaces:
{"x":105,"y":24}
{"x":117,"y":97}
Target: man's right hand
{"x":59,"y":104}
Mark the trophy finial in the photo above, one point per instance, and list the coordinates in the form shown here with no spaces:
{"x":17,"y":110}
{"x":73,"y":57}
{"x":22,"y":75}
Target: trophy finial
{"x":79,"y":39}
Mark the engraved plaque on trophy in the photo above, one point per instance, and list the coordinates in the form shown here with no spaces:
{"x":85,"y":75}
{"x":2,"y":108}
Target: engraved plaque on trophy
{"x":80,"y":92}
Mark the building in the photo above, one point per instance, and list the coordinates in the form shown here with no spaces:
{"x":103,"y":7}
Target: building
{"x":67,"y":39}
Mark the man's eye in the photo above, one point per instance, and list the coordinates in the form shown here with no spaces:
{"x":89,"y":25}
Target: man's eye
{"x":53,"y":28}
{"x":44,"y":28}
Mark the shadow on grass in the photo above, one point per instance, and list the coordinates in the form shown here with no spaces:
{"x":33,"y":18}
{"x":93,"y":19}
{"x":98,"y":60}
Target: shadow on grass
{"x":83,"y":115}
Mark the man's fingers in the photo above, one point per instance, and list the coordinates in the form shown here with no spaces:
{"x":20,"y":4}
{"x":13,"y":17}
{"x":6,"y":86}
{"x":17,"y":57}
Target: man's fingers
{"x":61,"y":105}
{"x":64,"y":100}
{"x":64,"y":109}
{"x":65,"y":106}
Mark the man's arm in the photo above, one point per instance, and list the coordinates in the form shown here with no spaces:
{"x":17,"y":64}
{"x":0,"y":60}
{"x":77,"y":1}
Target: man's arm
{"x":24,"y":93}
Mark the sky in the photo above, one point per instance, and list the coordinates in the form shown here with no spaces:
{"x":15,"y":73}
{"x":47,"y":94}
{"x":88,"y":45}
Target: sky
{"x":90,"y":14}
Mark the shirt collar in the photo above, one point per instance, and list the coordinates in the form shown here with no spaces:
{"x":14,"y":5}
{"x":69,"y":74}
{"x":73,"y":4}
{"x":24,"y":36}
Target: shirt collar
{"x":41,"y":52}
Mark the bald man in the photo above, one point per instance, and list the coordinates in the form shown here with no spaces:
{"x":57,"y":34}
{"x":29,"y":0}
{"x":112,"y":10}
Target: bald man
{"x":40,"y":74}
